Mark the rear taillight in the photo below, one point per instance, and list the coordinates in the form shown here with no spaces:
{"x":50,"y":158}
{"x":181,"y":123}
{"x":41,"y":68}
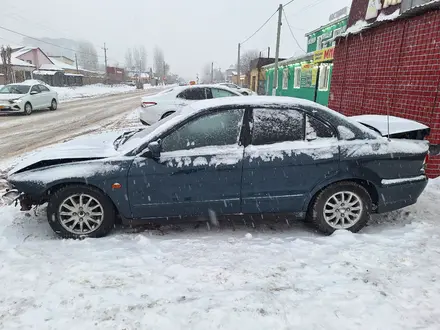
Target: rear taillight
{"x":425,"y":162}
{"x":148,"y":104}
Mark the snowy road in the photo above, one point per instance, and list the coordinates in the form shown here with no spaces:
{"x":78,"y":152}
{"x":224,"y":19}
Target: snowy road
{"x":19,"y":134}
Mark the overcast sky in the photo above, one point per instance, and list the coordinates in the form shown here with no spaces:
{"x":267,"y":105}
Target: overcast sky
{"x":190,"y":32}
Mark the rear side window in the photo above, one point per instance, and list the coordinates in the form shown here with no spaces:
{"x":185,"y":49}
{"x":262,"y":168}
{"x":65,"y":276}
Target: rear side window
{"x":193,"y":94}
{"x":316,"y":129}
{"x":272,"y":126}
{"x":217,"y":92}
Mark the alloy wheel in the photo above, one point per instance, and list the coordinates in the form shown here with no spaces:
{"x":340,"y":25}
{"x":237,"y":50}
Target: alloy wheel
{"x":343,"y":210}
{"x":81,"y":214}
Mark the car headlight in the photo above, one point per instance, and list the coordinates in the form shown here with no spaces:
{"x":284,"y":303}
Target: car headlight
{"x":17,"y":101}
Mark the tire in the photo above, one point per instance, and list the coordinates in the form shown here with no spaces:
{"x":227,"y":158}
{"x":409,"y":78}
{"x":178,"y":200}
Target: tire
{"x":62,"y":207}
{"x":328,"y":219}
{"x":53,"y":105}
{"x":27,"y":109}
{"x":166,"y":114}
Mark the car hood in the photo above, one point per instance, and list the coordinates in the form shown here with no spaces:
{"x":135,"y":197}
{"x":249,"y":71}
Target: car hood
{"x":11,"y":96}
{"x":86,"y":147}
{"x":397,"y":125}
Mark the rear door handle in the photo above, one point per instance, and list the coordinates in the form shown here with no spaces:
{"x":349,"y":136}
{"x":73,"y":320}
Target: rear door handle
{"x":189,"y":171}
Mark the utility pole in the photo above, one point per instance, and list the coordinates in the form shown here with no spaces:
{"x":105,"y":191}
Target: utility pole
{"x":238,"y":67}
{"x":212,"y":72}
{"x":76,"y":62}
{"x":268,"y":52}
{"x":105,"y":61}
{"x":277,"y":49}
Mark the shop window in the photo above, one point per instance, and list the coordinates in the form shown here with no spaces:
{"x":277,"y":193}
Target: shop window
{"x":297,"y":78}
{"x":319,"y":43}
{"x":324,"y":77}
{"x":285,"y":78}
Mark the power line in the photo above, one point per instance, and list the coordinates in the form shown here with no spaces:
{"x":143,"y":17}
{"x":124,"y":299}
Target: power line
{"x":267,"y":21}
{"x":288,"y":3}
{"x":291,"y":32}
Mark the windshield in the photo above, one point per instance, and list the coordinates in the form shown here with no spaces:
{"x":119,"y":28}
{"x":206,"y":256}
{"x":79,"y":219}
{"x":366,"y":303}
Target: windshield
{"x":140,"y":135}
{"x":15,"y":89}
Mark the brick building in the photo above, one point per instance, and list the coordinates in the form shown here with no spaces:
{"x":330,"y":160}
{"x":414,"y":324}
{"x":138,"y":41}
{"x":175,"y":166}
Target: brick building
{"x":389,"y":62}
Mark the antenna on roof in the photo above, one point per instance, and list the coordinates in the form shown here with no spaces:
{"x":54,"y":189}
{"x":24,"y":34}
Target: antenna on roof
{"x":388,"y":121}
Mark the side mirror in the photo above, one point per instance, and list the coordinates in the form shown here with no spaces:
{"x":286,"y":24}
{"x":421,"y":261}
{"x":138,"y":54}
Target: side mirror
{"x":34,"y":92}
{"x":155,"y":148}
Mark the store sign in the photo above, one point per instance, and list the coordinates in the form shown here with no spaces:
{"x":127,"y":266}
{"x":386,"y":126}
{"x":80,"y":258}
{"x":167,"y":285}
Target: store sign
{"x":338,"y":14}
{"x":324,"y":55}
{"x":375,"y":6}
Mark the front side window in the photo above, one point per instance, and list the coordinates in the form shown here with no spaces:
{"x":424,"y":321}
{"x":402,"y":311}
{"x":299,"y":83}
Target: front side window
{"x":217,"y":92}
{"x":273,"y":126}
{"x":193,"y":94}
{"x":35,"y":88}
{"x":217,"y":129}
{"x":43,"y":88}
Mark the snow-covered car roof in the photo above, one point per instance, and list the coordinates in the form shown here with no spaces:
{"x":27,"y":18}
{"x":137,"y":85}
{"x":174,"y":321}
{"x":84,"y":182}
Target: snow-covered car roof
{"x":30,"y":82}
{"x":253,"y":101}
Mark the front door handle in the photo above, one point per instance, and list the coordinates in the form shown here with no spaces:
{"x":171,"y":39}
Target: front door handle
{"x":189,"y":171}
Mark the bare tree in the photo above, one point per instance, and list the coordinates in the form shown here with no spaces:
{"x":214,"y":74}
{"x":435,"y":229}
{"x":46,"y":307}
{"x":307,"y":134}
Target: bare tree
{"x":143,"y":56}
{"x":136,"y":59}
{"x":206,"y":73}
{"x":246,"y":59}
{"x":159,"y":63}
{"x":5,"y":54}
{"x":87,"y":55}
{"x":129,"y":59}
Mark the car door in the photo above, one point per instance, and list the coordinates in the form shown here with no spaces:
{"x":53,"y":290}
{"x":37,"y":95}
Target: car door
{"x":219,"y":92}
{"x":45,"y":96}
{"x":35,"y":98}
{"x":191,"y":95}
{"x":290,"y":152}
{"x":199,"y":170}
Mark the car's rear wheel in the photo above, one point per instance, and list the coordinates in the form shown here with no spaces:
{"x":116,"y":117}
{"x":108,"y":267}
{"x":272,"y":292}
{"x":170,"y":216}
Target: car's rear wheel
{"x":27,"y":109}
{"x":245,"y":93}
{"x":343,"y":205}
{"x":79,"y":211}
{"x":53,"y":105}
{"x":166,"y":114}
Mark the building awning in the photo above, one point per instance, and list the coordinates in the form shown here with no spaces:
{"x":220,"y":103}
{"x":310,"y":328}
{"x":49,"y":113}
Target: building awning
{"x":45,"y":72}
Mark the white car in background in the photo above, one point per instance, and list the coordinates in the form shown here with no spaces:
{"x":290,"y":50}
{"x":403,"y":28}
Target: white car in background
{"x":241,"y":90}
{"x":26,"y":97}
{"x":163,"y":104}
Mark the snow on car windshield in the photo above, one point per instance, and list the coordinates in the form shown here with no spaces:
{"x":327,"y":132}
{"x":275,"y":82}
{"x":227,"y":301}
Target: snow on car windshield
{"x":15,"y":89}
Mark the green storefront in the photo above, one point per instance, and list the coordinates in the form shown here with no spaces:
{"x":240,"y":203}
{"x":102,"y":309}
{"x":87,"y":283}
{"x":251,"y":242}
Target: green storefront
{"x":309,"y":76}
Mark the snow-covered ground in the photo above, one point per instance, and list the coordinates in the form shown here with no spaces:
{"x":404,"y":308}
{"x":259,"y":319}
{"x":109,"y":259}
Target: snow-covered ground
{"x":70,"y":93}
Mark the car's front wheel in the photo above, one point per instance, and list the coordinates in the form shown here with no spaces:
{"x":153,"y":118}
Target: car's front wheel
{"x":79,"y":211}
{"x":27,"y":108}
{"x":343,"y":205}
{"x":53,"y":105}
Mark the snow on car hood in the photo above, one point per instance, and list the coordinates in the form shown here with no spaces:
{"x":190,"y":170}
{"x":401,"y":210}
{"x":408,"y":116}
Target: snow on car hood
{"x":85,"y":147}
{"x":397,"y":125}
{"x":11,"y":96}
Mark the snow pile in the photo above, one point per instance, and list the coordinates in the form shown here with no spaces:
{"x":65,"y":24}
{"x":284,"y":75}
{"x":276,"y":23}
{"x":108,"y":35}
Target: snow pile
{"x":69,"y":93}
{"x":390,"y":17}
{"x":289,"y":278}
{"x":356,"y":28}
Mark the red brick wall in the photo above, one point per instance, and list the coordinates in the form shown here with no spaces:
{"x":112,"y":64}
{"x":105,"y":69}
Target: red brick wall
{"x":394,"y":67}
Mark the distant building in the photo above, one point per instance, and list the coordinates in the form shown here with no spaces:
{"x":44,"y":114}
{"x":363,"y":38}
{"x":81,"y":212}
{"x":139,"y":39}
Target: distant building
{"x":257,"y":74}
{"x":308,"y":76}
